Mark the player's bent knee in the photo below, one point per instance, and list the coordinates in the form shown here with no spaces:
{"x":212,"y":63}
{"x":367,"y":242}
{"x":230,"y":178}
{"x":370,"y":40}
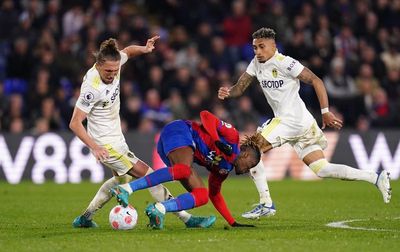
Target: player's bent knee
{"x":200,"y":196}
{"x":318,"y":167}
{"x":180,"y":171}
{"x":123,"y":179}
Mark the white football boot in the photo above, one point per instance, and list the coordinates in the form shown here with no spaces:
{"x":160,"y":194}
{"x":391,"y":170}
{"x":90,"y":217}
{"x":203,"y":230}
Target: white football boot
{"x":383,"y":184}
{"x":260,"y":210}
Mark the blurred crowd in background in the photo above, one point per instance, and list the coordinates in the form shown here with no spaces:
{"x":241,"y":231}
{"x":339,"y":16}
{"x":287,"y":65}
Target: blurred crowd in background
{"x":46,"y":47}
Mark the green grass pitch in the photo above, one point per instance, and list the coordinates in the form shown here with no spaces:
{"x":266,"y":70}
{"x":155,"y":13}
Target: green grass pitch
{"x":38,"y":218}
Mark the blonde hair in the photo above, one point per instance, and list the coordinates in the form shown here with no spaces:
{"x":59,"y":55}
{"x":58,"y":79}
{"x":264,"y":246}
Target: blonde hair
{"x":108,"y":51}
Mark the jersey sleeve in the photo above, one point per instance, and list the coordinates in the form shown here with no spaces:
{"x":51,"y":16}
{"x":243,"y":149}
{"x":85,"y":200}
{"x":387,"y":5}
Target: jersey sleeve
{"x":87,"y":98}
{"x":216,"y":128}
{"x":291,"y":67}
{"x":251,"y":68}
{"x":124,"y":57}
{"x":214,"y":191}
{"x":210,"y":122}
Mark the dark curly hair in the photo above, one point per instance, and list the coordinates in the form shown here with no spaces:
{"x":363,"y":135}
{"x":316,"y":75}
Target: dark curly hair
{"x":264,"y":32}
{"x":255,"y":141}
{"x":249,"y":156}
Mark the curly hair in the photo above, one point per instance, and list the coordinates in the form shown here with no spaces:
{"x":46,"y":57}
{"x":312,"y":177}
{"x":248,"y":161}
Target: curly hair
{"x":256,"y":140}
{"x":263,"y":32}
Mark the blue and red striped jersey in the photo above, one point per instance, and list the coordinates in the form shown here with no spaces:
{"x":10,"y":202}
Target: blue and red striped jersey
{"x":205,"y":134}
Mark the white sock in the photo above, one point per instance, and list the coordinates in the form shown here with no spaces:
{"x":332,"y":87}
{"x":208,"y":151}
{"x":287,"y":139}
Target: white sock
{"x":346,"y":172}
{"x":161,"y":193}
{"x":259,"y":176}
{"x":102,"y":197}
{"x":127,"y":188}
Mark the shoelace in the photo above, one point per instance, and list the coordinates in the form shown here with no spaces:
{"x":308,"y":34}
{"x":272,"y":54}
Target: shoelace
{"x":259,"y":206}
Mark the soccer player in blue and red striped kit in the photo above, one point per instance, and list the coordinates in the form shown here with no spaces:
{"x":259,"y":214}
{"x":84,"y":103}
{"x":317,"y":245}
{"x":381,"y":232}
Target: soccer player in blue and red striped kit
{"x":213,"y":144}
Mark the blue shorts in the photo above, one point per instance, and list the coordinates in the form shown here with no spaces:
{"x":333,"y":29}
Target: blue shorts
{"x":174,"y":135}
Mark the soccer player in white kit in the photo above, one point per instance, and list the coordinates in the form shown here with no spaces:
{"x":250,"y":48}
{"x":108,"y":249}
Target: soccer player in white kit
{"x":279,"y":77}
{"x":99,"y":103}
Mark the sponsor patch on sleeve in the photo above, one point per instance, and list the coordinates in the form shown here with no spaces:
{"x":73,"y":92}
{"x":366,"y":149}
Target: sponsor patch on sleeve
{"x":88,"y":97}
{"x":291,"y":65}
{"x":84,"y":103}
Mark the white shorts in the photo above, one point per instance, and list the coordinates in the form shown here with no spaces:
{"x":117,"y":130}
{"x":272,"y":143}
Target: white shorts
{"x":121,"y":159}
{"x":278,"y":132}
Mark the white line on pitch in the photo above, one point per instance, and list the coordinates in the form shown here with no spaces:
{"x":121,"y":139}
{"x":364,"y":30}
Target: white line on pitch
{"x":343,"y":224}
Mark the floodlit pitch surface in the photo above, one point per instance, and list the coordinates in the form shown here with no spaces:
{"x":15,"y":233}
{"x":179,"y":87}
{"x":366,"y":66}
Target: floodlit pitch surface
{"x":38,"y":218}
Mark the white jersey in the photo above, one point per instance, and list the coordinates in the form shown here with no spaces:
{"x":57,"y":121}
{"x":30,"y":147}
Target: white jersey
{"x":101,"y":102}
{"x":278,"y":80}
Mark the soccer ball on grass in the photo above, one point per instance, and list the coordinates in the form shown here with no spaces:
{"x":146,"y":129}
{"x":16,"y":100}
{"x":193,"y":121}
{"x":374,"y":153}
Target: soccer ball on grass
{"x":123,"y":218}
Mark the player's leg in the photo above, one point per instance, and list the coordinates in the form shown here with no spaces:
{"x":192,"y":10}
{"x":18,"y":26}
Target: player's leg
{"x":317,"y":162}
{"x":129,"y":164}
{"x":160,"y":193}
{"x":148,"y":178}
{"x":265,"y":137}
{"x":175,"y":137}
{"x":153,"y":179}
{"x":119,"y":165}
{"x":197,"y":194}
{"x":265,"y":207}
{"x":195,"y":198}
{"x":259,"y":176}
{"x":102,"y":196}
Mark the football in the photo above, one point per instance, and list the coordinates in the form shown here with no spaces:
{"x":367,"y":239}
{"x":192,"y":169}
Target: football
{"x":123,"y":218}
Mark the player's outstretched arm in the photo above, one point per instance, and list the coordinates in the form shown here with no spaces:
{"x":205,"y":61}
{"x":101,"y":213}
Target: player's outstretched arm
{"x":236,"y":90}
{"x":135,"y":50}
{"x":214,"y":189}
{"x":328,"y":118}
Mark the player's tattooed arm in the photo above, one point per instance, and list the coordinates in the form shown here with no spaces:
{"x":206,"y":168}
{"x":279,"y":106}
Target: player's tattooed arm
{"x":242,"y":84}
{"x":307,"y":76}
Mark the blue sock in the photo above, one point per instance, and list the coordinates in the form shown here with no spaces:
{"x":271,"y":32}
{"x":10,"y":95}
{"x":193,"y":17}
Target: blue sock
{"x":154,"y":178}
{"x":182,"y":202}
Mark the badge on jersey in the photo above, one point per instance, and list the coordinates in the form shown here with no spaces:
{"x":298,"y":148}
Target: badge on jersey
{"x":274,"y":73}
{"x":88,"y":96}
{"x":226,"y":124}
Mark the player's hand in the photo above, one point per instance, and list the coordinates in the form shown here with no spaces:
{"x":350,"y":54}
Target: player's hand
{"x":223,"y":92}
{"x":330,"y":120}
{"x":235,"y":224}
{"x":225,"y":148}
{"x":150,"y":44}
{"x":100,"y":153}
